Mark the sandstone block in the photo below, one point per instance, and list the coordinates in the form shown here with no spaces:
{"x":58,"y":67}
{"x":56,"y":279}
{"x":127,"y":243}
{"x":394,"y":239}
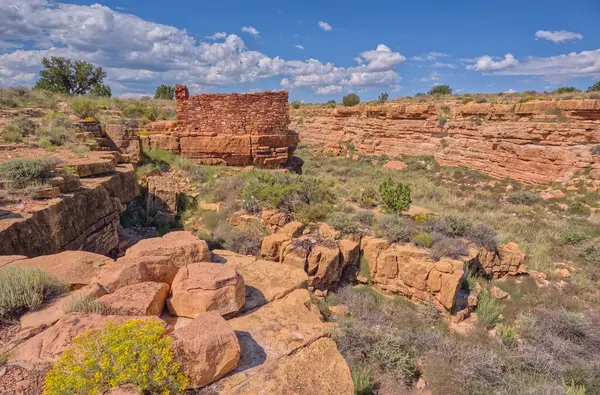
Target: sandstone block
{"x":270,"y":247}
{"x":200,"y":287}
{"x":182,"y":247}
{"x":147,"y":298}
{"x":207,"y":348}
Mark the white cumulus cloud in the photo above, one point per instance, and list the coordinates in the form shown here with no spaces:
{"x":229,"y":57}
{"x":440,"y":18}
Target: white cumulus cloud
{"x":328,"y":90}
{"x":251,"y":31}
{"x":486,"y":63}
{"x":558,"y":36}
{"x":300,"y":46}
{"x":325,"y":26}
{"x":217,"y":36}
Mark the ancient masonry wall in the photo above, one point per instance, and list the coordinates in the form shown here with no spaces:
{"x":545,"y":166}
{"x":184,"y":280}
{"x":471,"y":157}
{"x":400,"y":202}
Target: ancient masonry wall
{"x":534,"y":142}
{"x":235,"y":129}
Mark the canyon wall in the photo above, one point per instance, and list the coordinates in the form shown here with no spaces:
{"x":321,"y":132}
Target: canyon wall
{"x":534,"y":142}
{"x":86,"y":219}
{"x":235,"y":129}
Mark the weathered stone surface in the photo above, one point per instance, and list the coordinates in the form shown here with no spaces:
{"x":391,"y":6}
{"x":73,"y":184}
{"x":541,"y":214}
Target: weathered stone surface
{"x":162,"y":198}
{"x":265,"y":281}
{"x":207,"y":348}
{"x":200,"y":287}
{"x":350,"y":253}
{"x":318,"y":368}
{"x":130,"y":271}
{"x":271,"y":245}
{"x":85,"y":220}
{"x":74,"y":268}
{"x":236,"y":129}
{"x":268,"y":335}
{"x":528,"y":151}
{"x":59,"y":307}
{"x":507,"y":260}
{"x":48,"y":346}
{"x":182,"y":247}
{"x":147,"y":298}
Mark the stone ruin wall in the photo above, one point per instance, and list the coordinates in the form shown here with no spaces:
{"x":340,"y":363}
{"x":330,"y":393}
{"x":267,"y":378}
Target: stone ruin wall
{"x":535,"y":142}
{"x":236,"y":129}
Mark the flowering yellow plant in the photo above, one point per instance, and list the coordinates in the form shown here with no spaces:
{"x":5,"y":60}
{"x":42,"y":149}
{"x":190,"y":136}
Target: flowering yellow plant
{"x":136,"y":352}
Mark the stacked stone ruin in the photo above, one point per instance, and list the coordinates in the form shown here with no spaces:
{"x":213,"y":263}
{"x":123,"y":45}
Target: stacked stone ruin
{"x":234,"y":129}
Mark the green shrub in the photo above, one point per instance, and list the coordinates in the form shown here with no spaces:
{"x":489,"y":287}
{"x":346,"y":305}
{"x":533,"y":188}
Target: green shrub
{"x":164,"y":92}
{"x":423,"y":240}
{"x":579,"y":208}
{"x":394,"y":228}
{"x":296,"y":104}
{"x":451,"y":226}
{"x":23,"y":170}
{"x":22,"y":289}
{"x":440,"y":90}
{"x":369,"y":197}
{"x":160,"y":155}
{"x":245,"y":240}
{"x":481,"y":100}
{"x":365,"y":217}
{"x":442,"y":119}
{"x":526,"y":198}
{"x":343,"y":222}
{"x":87,"y":305}
{"x":590,"y":252}
{"x":567,"y":89}
{"x":331,"y":104}
{"x":350,"y":100}
{"x":141,"y":110}
{"x":574,"y":236}
{"x":383,"y":97}
{"x":448,"y":247}
{"x":395,"y":196}
{"x":595,"y":87}
{"x":488,"y":309}
{"x":483,"y":235}
{"x":361,"y":378}
{"x":136,"y":352}
{"x":508,"y":334}
{"x":100,"y":90}
{"x":84,"y":107}
{"x":11,"y":134}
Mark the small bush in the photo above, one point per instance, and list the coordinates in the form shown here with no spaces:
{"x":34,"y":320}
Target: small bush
{"x":23,"y":170}
{"x":369,"y":197}
{"x":595,"y":87}
{"x":383,"y":97}
{"x":396,"y":197}
{"x":508,"y":334}
{"x":488,"y":309}
{"x":526,"y":198}
{"x":87,"y":305}
{"x":296,"y":104}
{"x":452,"y":226}
{"x":483,"y":235}
{"x":22,"y":289}
{"x":423,"y":240}
{"x":84,"y":107}
{"x":481,"y":100}
{"x":440,"y":90}
{"x":448,"y":247}
{"x":246,"y":240}
{"x":350,"y":100}
{"x":160,"y":155}
{"x":16,"y":130}
{"x":11,"y":134}
{"x":574,"y":236}
{"x":361,"y":378}
{"x":136,"y":352}
{"x":394,"y":228}
{"x":343,"y":222}
{"x":590,"y":252}
{"x":567,"y":89}
{"x":365,"y":217}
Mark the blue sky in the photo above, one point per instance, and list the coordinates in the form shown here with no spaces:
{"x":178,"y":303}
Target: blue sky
{"x":318,"y":50}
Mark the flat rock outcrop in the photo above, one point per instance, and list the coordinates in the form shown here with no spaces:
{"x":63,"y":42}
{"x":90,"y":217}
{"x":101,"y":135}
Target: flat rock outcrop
{"x":535,"y":142}
{"x":86,"y":219}
{"x":236,"y":129}
{"x":129,"y":271}
{"x":200,"y":287}
{"x":182,"y":247}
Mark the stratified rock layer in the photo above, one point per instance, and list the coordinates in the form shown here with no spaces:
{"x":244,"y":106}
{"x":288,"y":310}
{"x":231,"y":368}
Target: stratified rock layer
{"x":534,"y":142}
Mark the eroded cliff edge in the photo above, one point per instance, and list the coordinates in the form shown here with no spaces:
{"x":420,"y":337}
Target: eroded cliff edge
{"x":533,"y":142}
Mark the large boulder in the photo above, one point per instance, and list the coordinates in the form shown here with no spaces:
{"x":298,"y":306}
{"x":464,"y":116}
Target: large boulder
{"x":74,"y":268}
{"x":129,"y":271}
{"x":207,"y":348}
{"x":268,"y":336}
{"x":200,"y":287}
{"x":318,"y":368}
{"x":271,"y":246}
{"x":47,"y":347}
{"x":182,"y":247}
{"x":147,"y":298}
{"x":265,"y":281}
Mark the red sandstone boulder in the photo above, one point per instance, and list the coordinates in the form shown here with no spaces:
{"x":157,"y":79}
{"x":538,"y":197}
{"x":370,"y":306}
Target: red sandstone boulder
{"x":200,"y":287}
{"x":129,"y":271}
{"x":182,"y":247}
{"x":207,"y":348}
{"x":147,"y":298}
